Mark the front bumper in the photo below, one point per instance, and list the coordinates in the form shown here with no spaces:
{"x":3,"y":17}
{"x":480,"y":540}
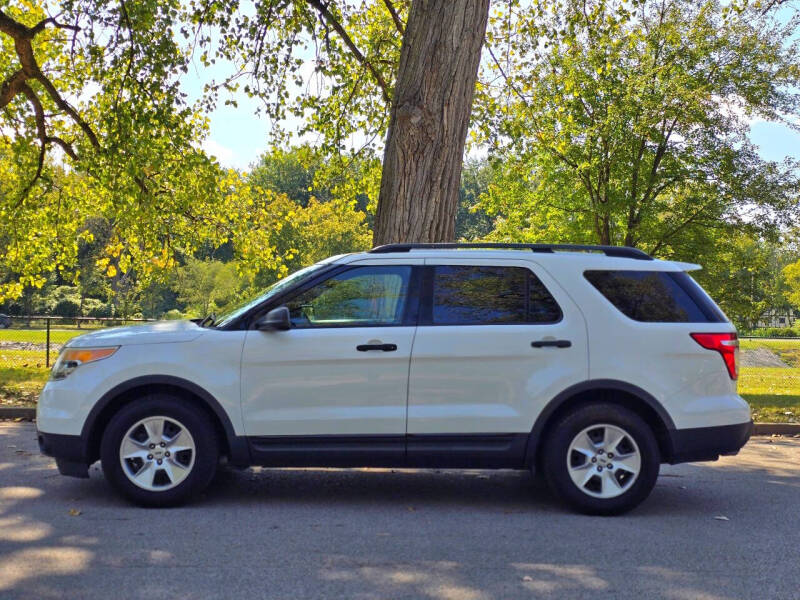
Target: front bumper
{"x":68,"y":450}
{"x":707,"y":443}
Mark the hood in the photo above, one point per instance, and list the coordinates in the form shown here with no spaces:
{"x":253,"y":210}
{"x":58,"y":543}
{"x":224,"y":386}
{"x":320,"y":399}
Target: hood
{"x":160,"y":332}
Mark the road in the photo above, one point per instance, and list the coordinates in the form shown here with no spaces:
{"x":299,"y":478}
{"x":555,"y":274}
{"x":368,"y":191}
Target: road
{"x":373,"y":533}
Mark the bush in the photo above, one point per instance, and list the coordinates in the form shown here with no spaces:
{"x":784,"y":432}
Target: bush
{"x":173,"y":315}
{"x":67,"y":307}
{"x":96,"y":308}
{"x":773,"y":332}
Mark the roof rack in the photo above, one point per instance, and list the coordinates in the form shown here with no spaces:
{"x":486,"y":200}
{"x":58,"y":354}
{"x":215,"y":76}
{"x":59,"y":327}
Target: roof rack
{"x":616,"y":251}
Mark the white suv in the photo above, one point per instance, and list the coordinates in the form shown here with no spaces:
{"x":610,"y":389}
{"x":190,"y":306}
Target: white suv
{"x":589,"y":364}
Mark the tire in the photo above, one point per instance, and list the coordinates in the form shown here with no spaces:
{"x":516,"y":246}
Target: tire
{"x":580,"y":475}
{"x":133,"y":432}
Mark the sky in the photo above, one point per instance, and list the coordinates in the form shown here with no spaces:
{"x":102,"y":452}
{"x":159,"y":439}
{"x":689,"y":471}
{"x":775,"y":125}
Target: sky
{"x":238,"y":136}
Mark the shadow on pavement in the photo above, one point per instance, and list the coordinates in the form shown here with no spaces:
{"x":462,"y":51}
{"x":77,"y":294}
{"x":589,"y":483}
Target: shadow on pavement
{"x":381,"y":533}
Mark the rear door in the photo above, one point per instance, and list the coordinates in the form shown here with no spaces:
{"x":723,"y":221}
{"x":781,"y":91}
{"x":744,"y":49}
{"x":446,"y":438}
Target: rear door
{"x":497,"y":339}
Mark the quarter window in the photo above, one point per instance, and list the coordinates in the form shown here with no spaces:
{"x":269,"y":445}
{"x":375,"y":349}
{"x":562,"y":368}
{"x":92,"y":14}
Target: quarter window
{"x":487,"y":295}
{"x":656,"y":296}
{"x":358,"y":297}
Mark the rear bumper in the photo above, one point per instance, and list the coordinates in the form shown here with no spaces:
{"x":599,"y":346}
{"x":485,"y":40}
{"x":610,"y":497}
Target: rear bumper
{"x":708,"y":443}
{"x":68,"y":450}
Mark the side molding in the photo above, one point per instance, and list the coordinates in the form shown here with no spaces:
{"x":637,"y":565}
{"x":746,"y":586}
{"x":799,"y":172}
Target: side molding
{"x":586,"y":386}
{"x":239,"y":450}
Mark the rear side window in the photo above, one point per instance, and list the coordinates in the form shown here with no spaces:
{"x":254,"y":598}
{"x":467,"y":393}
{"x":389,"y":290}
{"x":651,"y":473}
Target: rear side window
{"x":656,"y":296}
{"x":489,"y":295}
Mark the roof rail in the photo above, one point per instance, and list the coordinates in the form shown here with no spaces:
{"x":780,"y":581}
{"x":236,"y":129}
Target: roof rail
{"x":616,"y":251}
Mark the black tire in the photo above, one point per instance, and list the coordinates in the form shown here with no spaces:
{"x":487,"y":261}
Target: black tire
{"x":198,"y":424}
{"x":556,"y":455}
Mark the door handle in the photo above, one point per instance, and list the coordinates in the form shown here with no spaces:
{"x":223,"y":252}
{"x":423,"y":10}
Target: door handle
{"x":553,"y":343}
{"x":384,"y":347}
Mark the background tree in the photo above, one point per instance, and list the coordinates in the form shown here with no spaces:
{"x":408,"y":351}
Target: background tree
{"x":206,"y":286}
{"x":626,"y":122}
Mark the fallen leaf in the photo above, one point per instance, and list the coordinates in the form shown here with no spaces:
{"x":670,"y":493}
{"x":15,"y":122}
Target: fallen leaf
{"x":74,"y":512}
{"x":722,"y":518}
{"x":527,"y":578}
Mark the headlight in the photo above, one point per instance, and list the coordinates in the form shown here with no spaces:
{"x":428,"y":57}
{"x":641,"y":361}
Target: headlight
{"x":72,"y":358}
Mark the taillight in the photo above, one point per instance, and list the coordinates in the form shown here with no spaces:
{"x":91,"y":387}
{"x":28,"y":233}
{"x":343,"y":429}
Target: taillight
{"x":727,"y":344}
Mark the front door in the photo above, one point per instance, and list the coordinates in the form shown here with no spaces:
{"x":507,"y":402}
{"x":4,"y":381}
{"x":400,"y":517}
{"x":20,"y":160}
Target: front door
{"x":342,"y":369}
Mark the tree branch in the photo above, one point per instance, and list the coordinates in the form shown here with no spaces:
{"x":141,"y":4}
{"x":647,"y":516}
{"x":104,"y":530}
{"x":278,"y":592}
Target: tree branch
{"x":333,"y":22}
{"x":41,"y":132}
{"x":11,"y":87}
{"x":395,"y":17}
{"x":22,"y":37}
{"x":52,"y":21}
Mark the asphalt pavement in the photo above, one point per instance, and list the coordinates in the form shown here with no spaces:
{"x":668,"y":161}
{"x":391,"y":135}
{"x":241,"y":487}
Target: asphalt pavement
{"x":715,"y":531}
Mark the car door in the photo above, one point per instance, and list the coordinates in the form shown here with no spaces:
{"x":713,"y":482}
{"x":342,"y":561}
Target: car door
{"x":497,"y":339}
{"x":342,"y":368}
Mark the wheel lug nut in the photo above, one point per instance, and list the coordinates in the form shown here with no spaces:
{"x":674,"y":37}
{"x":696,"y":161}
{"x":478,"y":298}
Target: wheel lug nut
{"x":160,"y":461}
{"x":599,"y":469}
{"x":166,"y":454}
{"x":610,"y":455}
{"x":610,"y":466}
{"x":594,"y":459}
{"x":163,"y":444}
{"x":152,"y":446}
{"x":149,"y":457}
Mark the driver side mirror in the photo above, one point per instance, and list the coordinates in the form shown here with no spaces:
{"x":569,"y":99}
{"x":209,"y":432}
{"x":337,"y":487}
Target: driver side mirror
{"x":275,"y":320}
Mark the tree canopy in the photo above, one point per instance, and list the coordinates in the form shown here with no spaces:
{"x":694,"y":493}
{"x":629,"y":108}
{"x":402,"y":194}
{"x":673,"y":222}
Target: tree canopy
{"x":626,"y":122}
{"x":609,"y":121}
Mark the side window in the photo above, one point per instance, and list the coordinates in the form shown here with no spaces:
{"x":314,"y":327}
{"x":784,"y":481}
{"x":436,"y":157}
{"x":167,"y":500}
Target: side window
{"x":487,"y":295}
{"x":358,"y":297}
{"x":656,"y":296}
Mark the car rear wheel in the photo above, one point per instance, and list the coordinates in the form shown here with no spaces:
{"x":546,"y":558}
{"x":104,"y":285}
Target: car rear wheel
{"x":159,"y":451}
{"x":601,"y":459}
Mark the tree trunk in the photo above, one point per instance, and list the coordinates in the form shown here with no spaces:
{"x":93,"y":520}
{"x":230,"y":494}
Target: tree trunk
{"x":429,"y":120}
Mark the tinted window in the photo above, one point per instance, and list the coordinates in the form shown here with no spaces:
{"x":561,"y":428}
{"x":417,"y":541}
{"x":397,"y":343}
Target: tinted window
{"x":656,"y":296}
{"x":484,"y":295}
{"x":358,"y":297}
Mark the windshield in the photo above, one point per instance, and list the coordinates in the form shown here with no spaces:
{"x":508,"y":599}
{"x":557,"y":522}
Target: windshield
{"x":276,"y":288}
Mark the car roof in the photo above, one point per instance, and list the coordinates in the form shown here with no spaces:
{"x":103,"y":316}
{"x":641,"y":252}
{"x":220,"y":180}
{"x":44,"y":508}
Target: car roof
{"x":574,"y":256}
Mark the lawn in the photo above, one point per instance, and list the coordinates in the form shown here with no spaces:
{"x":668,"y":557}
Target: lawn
{"x":57,"y":336}
{"x":20,"y":386}
{"x":773,"y":393}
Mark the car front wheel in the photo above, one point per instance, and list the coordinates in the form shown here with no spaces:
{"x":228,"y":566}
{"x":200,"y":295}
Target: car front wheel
{"x":601,"y":459}
{"x":159,"y":451}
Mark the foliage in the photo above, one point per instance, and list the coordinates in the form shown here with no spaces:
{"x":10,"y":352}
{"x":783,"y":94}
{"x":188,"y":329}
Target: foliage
{"x":792,"y":274}
{"x":206,"y":286}
{"x":743,"y":275}
{"x":775,"y":332}
{"x":625,"y":122}
{"x":472,"y":222}
{"x":291,"y":172}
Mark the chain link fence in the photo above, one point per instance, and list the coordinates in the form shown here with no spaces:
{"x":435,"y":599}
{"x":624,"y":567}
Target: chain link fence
{"x":34,"y":341}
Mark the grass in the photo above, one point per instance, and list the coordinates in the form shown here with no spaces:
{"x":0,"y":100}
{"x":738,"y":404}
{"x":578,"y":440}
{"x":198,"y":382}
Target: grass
{"x":773,"y":393}
{"x":39,"y":336}
{"x":20,"y":386}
